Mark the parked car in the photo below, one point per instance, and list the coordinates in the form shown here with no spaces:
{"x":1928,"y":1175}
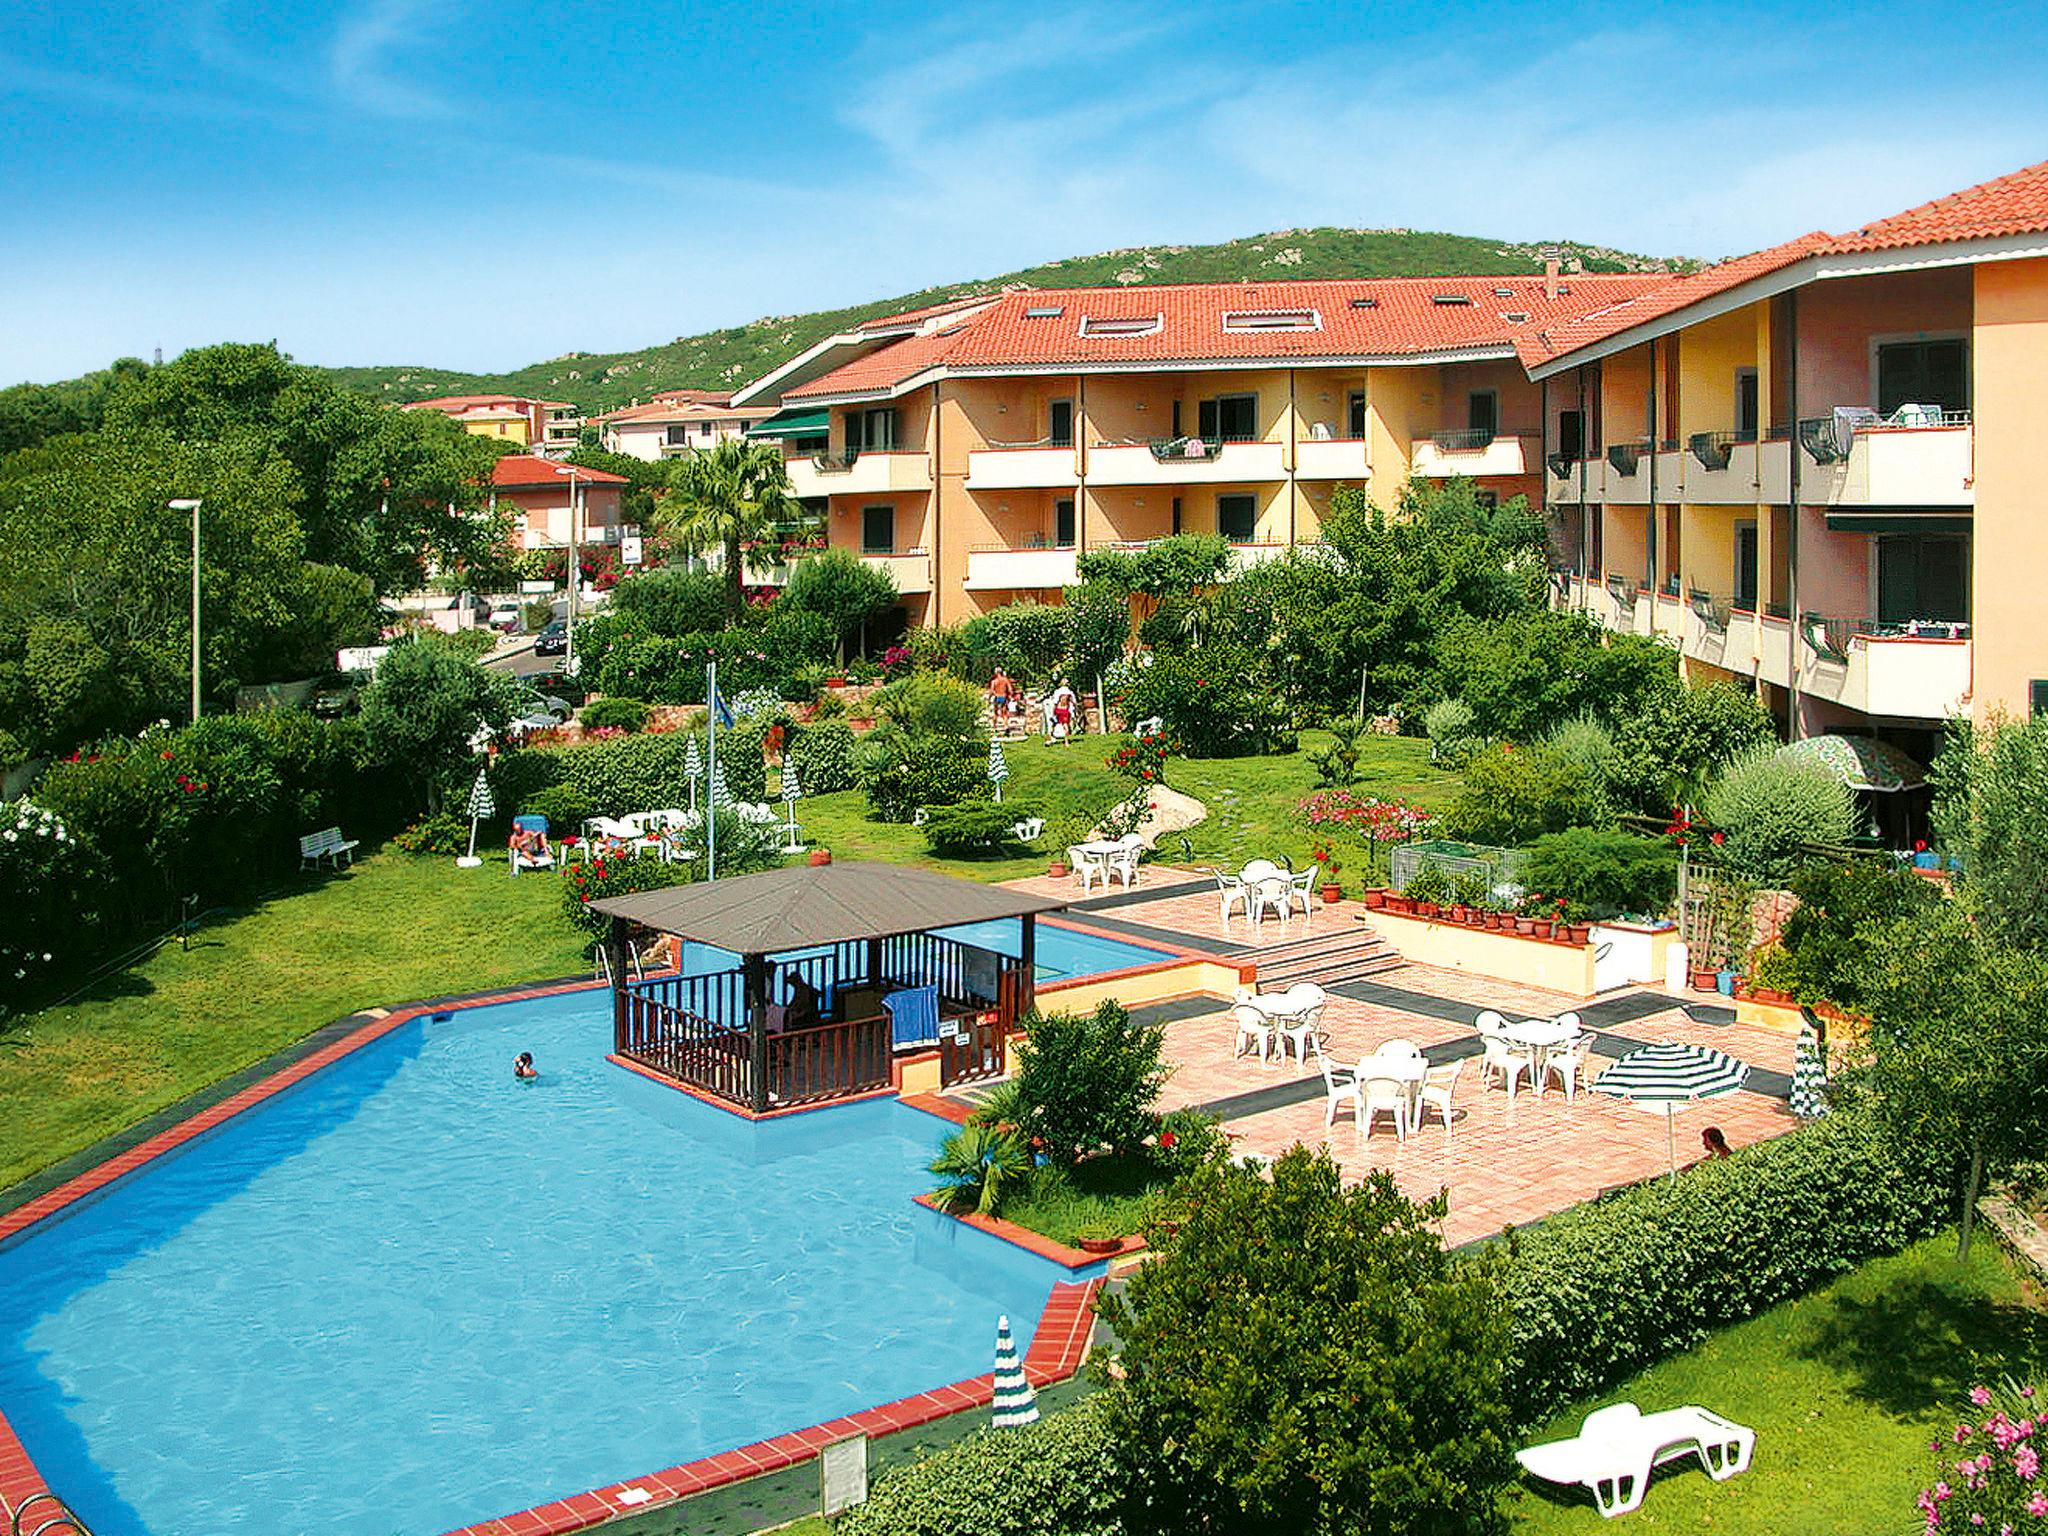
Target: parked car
{"x":553,"y":640}
{"x":535,"y":708}
{"x":506,"y":619}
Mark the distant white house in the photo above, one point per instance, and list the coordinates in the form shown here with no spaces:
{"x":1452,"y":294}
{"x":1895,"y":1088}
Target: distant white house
{"x":675,"y":422}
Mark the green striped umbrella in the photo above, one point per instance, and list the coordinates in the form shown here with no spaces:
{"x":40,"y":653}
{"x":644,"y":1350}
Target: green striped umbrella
{"x":1016,"y":1404}
{"x":1665,"y":1078}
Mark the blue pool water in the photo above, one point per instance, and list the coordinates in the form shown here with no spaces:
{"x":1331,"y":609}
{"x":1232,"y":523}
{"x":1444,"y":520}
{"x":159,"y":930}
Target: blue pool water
{"x":1061,"y":953}
{"x":412,"y":1293}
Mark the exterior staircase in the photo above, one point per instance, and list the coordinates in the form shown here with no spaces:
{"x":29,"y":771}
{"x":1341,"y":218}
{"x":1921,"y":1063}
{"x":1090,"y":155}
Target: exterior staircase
{"x":1326,"y":959}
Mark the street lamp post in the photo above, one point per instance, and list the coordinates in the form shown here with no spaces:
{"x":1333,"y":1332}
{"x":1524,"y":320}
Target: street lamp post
{"x":191,"y":504}
{"x":569,"y":617}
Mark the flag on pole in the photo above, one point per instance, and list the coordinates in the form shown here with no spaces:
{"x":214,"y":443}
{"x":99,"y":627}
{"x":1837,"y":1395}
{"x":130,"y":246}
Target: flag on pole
{"x":719,"y":708}
{"x":1016,"y":1404}
{"x":998,"y":770}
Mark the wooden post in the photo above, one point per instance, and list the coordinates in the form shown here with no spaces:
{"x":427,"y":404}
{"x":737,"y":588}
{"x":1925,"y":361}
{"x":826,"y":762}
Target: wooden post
{"x":874,"y":962}
{"x":1028,"y":967}
{"x":755,"y":967}
{"x":616,"y":952}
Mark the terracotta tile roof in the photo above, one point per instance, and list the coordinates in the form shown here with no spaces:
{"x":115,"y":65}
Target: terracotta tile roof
{"x":664,"y":408}
{"x":910,"y":316}
{"x":1375,"y":317}
{"x":694,"y":396}
{"x":2016,"y":204}
{"x":465,"y":402}
{"x":1541,"y":344}
{"x":517,"y":471}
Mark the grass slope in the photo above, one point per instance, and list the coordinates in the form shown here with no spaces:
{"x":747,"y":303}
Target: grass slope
{"x":727,"y":358}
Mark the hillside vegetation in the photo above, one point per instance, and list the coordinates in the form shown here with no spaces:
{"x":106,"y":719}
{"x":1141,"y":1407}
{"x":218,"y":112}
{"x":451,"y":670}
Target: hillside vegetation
{"x":728,"y":358}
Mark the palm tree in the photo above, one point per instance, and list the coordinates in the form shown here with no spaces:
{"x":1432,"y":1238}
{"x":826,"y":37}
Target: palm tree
{"x":735,"y":496}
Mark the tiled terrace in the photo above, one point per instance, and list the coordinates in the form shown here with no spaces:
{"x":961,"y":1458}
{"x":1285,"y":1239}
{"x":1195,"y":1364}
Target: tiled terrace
{"x":1501,"y":1164}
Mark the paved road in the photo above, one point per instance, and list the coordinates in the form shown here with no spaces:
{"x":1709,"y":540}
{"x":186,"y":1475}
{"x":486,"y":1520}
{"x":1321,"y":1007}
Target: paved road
{"x":522,"y":662}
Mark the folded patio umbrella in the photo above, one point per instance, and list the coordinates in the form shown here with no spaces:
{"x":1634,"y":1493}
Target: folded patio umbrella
{"x":1016,"y":1404}
{"x":1666,"y":1078}
{"x":1809,"y":1077}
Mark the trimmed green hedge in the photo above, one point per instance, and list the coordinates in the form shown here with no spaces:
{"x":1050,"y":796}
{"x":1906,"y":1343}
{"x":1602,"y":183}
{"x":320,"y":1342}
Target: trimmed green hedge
{"x":823,"y":754}
{"x":1056,"y":1478}
{"x":1599,"y":1291}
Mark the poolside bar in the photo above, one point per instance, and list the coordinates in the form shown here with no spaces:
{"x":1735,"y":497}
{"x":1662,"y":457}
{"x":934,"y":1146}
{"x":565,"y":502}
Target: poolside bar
{"x":855,"y":933}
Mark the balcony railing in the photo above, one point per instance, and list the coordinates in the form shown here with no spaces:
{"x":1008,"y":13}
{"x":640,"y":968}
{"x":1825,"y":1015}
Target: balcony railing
{"x":1561,"y":465}
{"x":1828,"y":439}
{"x":1711,"y":449}
{"x":835,"y":463}
{"x":1712,"y":612}
{"x":1464,"y":440}
{"x":1623,"y":458}
{"x":1829,"y":637}
{"x":1184,"y":450}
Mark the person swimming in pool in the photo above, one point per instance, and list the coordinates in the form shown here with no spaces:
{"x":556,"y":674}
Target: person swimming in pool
{"x":523,"y":1067}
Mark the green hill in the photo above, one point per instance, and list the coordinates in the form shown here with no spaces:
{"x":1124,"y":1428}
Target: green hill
{"x":729,"y":358}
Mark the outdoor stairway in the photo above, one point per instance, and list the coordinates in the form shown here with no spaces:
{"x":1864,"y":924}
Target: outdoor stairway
{"x":1327,"y":959}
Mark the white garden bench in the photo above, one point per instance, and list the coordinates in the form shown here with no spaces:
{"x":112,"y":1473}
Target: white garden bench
{"x":328,"y":844}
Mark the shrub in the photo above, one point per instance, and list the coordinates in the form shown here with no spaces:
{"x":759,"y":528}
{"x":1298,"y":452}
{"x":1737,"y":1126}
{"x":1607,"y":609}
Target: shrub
{"x":1985,"y":1472}
{"x":1512,"y":794}
{"x":1189,"y":1140}
{"x":47,"y":881}
{"x":1770,"y":808}
{"x":842,"y":590}
{"x":1453,"y":732}
{"x":743,"y":759}
{"x":584,"y":883}
{"x":904,"y":772}
{"x":1600,"y":1291}
{"x":423,"y":708}
{"x":1029,"y":640}
{"x":930,"y":703}
{"x":441,"y":833}
{"x":981,"y":827}
{"x":1991,"y":801}
{"x":1822,"y":957}
{"x":1666,"y":751}
{"x":1212,"y":700}
{"x":1088,"y":1082}
{"x":671,"y":601}
{"x":620,"y":713}
{"x":565,"y":806}
{"x":1058,"y":1477}
{"x":616,"y":777}
{"x":1585,"y":741}
{"x":823,"y":754}
{"x":980,"y":1162}
{"x":1385,"y":1415}
{"x":1606,"y":873}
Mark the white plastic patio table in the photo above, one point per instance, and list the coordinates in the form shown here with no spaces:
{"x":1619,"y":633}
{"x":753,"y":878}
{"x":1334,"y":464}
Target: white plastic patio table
{"x":1407,"y":1070}
{"x":1542,"y":1036}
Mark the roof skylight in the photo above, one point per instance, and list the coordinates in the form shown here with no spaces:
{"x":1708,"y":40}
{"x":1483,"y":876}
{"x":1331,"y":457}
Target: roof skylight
{"x":1121,"y":325}
{"x":1272,"y":320}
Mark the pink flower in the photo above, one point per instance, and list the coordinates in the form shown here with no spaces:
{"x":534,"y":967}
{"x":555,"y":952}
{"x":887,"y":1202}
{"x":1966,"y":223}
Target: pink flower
{"x":1981,"y":1396}
{"x":2027,"y":1462}
{"x":2037,"y":1506}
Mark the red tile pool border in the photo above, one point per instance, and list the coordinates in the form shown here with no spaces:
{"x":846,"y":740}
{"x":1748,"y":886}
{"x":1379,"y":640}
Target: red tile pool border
{"x":1057,"y":1349}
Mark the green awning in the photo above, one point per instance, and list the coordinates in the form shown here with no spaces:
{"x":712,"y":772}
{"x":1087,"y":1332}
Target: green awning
{"x":794,"y":424}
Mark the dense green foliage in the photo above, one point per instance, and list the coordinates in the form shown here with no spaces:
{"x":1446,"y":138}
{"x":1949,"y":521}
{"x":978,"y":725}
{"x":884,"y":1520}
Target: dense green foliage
{"x":1032,"y":641}
{"x":822,"y":754}
{"x":1605,"y":873}
{"x":1601,"y":1290}
{"x":981,"y":1163}
{"x":1665,"y":751}
{"x":1058,"y":1477}
{"x":1769,"y":808}
{"x":959,"y":831}
{"x":1821,"y":955}
{"x":1087,"y":1082}
{"x":1215,"y":700}
{"x":614,"y":778}
{"x":45,"y":871}
{"x":904,"y":771}
{"x":1991,"y":807}
{"x":667,"y":600}
{"x":1512,"y":794}
{"x":614,"y":712}
{"x":1306,"y":1358}
{"x":844,"y":591}
{"x":424,"y":709}
{"x":583,"y":883}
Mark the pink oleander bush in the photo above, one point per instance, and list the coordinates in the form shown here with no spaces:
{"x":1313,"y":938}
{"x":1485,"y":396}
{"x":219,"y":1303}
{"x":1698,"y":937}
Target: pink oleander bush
{"x":1988,"y":1471}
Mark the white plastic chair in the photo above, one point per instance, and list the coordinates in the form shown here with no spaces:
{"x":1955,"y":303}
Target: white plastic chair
{"x":1438,"y":1084}
{"x":1618,"y":1447}
{"x":1088,"y":868}
{"x":1399,"y":1048}
{"x":1302,"y":1021}
{"x":1383,"y":1095}
{"x":1230,"y":892}
{"x":1301,"y":883}
{"x":1275,"y":893}
{"x":1253,"y":1027}
{"x":1507,"y":1060}
{"x":1570,"y":1064}
{"x":1342,"y":1085}
{"x":1151,"y":726}
{"x":1491,"y":1021}
{"x":1029,"y":830}
{"x":1124,"y":862}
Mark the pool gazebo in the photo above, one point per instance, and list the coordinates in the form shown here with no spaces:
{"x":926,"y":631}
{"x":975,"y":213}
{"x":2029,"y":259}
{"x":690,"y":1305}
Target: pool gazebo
{"x":856,"y":932}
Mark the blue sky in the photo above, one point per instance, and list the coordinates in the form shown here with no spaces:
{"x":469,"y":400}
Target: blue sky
{"x":478,"y":186}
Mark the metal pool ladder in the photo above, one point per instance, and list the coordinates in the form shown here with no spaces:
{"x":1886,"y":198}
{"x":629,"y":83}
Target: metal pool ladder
{"x":56,"y":1518}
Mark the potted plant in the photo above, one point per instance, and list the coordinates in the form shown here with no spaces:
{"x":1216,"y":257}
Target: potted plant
{"x":1375,"y":898}
{"x":1098,"y":1236}
{"x":1704,"y":978}
{"x":1429,"y":890}
{"x":1331,"y":891}
{"x":1063,"y":832}
{"x":821,"y":856}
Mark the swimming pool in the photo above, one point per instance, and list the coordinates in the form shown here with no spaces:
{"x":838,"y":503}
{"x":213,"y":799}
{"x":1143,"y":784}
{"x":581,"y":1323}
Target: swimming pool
{"x":411,"y":1293}
{"x":1061,"y":953}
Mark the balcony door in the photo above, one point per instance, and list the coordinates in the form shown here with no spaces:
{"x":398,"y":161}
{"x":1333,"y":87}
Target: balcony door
{"x":1237,"y":517}
{"x":1923,"y":576}
{"x":1923,"y":373}
{"x":1354,"y":415}
{"x":1230,"y":419}
{"x":1482,"y":414}
{"x":1571,"y":434}
{"x":1746,"y":405}
{"x":1060,"y":423}
{"x":878,"y":530}
{"x":1745,"y":566}
{"x":1063,"y":523}
{"x":871,"y":431}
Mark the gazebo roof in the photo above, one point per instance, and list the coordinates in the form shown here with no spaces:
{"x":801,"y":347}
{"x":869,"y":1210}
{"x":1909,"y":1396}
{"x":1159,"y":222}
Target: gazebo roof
{"x":803,"y":905}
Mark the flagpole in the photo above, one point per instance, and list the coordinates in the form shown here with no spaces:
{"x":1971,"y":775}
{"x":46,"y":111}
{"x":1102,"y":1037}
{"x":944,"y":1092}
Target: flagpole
{"x":711,"y":771}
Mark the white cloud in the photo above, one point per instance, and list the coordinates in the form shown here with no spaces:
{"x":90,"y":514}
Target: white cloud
{"x":361,"y":67}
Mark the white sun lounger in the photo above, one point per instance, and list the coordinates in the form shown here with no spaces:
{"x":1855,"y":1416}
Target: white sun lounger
{"x":1617,"y":1448}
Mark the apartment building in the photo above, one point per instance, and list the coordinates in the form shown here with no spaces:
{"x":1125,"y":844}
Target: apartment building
{"x":554,"y":503}
{"x":548,"y":427}
{"x":1820,"y":468}
{"x":977,"y":448}
{"x":676,"y":421}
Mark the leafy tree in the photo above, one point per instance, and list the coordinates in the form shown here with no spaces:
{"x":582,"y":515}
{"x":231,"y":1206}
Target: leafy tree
{"x":1521,"y":673}
{"x":1956,"y":1058}
{"x":1089,"y":1081}
{"x":1823,"y":940}
{"x":34,"y":413}
{"x":1098,"y":629}
{"x":733,"y":497}
{"x":1306,"y":1358}
{"x":1667,"y":749}
{"x":425,"y":706}
{"x":1181,"y":564}
{"x":1032,"y":641}
{"x":1769,"y":808}
{"x":666,"y":601}
{"x":1991,"y":803}
{"x":1512,"y":794}
{"x":843,"y":590}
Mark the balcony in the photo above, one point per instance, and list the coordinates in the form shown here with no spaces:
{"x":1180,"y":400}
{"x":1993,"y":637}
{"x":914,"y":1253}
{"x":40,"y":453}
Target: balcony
{"x":999,"y":568}
{"x":1917,"y":671}
{"x":1185,"y":461}
{"x":1331,"y":459}
{"x":912,"y":572}
{"x":1474,"y":454}
{"x":875,"y":472}
{"x":1022,"y":467}
{"x":1916,"y":458}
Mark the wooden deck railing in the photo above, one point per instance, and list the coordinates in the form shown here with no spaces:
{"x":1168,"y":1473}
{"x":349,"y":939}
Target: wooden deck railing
{"x":688,"y":1047}
{"x":828,"y":1061}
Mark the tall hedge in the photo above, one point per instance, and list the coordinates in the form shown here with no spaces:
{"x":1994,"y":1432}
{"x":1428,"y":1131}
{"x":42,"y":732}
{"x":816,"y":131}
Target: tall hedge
{"x":1600,"y":1291}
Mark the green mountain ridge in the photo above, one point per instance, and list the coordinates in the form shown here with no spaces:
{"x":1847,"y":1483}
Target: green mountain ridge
{"x":726,"y":359}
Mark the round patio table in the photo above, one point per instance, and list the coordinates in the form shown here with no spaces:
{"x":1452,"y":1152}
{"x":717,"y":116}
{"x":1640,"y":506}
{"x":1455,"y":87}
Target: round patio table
{"x":1542,"y":1036}
{"x":1406,"y":1070}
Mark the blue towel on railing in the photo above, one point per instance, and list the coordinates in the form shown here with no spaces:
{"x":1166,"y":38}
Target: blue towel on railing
{"x":913,"y":1015}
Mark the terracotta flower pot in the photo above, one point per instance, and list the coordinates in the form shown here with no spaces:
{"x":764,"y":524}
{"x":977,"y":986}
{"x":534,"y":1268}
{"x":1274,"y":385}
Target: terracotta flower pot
{"x":835,"y":682}
{"x":1332,"y":894}
{"x":821,"y":856}
{"x":1057,"y":869}
{"x":1400,"y":905}
{"x":1705,"y":981}
{"x":1375,"y":899}
{"x":1578,"y":933}
{"x":1543,"y":927}
{"x":1098,"y":1244}
{"x":1426,"y":909}
{"x":1460,"y":913}
{"x":1525,"y":925}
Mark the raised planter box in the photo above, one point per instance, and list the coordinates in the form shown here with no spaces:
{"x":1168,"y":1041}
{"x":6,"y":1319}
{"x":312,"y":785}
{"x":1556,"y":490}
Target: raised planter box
{"x":1501,"y":953}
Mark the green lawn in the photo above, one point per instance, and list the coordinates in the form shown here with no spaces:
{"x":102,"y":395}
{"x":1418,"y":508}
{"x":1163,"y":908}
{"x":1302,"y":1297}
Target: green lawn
{"x":1844,"y":1388}
{"x":394,"y":928}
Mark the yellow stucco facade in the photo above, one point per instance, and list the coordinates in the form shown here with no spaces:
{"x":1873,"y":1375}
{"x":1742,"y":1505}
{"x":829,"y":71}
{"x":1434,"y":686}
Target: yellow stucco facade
{"x":2010,"y":540}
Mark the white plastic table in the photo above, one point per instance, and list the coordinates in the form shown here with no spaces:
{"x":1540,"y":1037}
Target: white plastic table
{"x":1542,"y":1036}
{"x":1406,"y":1070}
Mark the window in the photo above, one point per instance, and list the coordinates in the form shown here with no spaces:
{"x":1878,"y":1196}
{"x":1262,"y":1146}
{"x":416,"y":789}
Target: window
{"x":1354,"y":414}
{"x":1482,"y":412}
{"x":871,"y":431}
{"x":1121,"y":325}
{"x":1175,"y":528}
{"x":1449,"y":298}
{"x":1571,"y":434}
{"x":1230,"y":419}
{"x":1045,"y":312}
{"x":1746,"y":407}
{"x":1923,"y":576}
{"x":1063,"y":522}
{"x":1272,"y":320}
{"x":1365,"y":301}
{"x":1060,"y":423}
{"x":1923,"y":373}
{"x":2037,"y":697}
{"x":1237,"y":517}
{"x":675,"y":436}
{"x":1745,"y":565}
{"x":878,"y":530}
